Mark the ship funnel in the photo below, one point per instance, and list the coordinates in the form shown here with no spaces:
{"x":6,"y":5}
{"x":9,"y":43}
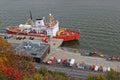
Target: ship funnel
{"x":40,"y":22}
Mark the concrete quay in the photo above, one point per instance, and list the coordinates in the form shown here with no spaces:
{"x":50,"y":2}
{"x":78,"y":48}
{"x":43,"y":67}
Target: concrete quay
{"x":52,"y":41}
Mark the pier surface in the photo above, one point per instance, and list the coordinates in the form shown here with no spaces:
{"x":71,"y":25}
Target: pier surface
{"x":59,"y":53}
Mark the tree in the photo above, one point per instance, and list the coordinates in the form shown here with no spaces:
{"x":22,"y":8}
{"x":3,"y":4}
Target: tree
{"x":38,"y":76}
{"x":112,"y":75}
{"x":4,"y":46}
{"x":4,"y":49}
{"x":1,"y":21}
{"x":43,"y":70}
{"x":11,"y":62}
{"x":96,"y":77}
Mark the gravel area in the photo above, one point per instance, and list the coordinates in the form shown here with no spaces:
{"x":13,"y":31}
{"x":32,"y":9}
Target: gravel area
{"x":63,"y":54}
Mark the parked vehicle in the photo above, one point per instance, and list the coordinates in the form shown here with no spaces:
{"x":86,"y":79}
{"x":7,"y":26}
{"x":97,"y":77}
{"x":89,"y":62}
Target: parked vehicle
{"x":96,"y":68}
{"x":59,"y":61}
{"x":92,"y":67}
{"x":64,"y":61}
{"x":100,"y":68}
{"x":108,"y":69}
{"x":8,"y":36}
{"x":104,"y":69}
{"x":51,"y":60}
{"x":70,"y":62}
{"x":81,"y":66}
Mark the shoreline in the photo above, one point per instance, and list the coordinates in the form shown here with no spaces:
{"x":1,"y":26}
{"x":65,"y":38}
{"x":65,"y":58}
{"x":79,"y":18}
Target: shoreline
{"x":57,"y":52}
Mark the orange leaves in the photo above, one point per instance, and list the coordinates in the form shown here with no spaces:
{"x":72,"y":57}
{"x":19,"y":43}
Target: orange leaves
{"x":3,"y":61}
{"x":4,"y":43}
{"x":4,"y":46}
{"x":5,"y":58}
{"x":12,"y":73}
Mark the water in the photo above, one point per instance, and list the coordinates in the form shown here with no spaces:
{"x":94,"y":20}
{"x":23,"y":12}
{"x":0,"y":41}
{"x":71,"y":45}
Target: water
{"x":98,"y":20}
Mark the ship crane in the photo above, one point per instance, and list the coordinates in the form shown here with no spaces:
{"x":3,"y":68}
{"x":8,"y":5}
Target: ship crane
{"x":30,"y":21}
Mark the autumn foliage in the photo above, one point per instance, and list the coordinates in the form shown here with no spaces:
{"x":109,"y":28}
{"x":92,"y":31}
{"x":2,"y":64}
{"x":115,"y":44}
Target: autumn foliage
{"x":14,"y":67}
{"x":11,"y":73}
{"x":20,"y":67}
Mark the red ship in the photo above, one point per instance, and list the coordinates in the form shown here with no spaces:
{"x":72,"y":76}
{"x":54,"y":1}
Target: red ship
{"x":41,"y":29}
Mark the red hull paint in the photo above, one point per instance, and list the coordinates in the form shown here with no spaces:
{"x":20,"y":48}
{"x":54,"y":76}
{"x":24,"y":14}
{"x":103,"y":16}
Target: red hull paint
{"x":74,"y":36}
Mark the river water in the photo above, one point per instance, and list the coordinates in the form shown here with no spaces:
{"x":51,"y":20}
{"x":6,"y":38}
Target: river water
{"x":97,"y":20}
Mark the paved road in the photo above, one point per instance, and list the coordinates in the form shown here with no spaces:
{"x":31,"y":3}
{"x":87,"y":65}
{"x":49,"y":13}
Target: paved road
{"x":70,"y":71}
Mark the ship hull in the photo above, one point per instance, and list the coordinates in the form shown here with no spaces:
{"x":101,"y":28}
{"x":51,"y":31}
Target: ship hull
{"x":75,"y":36}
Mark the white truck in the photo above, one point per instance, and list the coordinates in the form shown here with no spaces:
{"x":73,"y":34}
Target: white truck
{"x":96,"y":68}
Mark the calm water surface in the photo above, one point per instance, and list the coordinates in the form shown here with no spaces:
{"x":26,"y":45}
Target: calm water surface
{"x":98,"y":20}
